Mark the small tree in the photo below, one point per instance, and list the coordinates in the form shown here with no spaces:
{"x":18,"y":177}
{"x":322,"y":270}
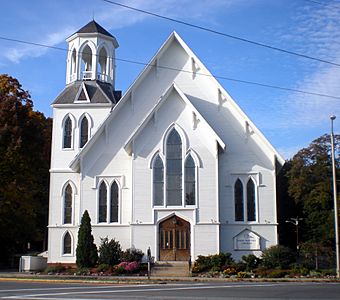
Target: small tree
{"x":87,"y":254}
{"x":109,"y":252}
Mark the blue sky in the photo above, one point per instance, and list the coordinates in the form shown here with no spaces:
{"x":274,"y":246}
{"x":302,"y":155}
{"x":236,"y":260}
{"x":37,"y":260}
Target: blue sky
{"x":289,"y":120}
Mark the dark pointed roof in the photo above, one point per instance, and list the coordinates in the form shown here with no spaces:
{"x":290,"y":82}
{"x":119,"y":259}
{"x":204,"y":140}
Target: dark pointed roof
{"x":94,"y":27}
{"x":98,"y":92}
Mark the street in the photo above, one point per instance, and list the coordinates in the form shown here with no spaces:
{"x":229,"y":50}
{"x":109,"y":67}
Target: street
{"x":11,"y":289}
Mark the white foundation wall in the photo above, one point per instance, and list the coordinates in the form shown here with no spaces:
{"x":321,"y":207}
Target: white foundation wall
{"x":267,"y":234}
{"x":55,"y":244}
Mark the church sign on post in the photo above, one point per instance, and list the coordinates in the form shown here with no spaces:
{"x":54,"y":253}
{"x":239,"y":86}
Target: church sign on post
{"x":247,"y":240}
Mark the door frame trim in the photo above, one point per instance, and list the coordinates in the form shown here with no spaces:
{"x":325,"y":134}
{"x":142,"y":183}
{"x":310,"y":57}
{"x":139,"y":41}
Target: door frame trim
{"x":168,"y":216}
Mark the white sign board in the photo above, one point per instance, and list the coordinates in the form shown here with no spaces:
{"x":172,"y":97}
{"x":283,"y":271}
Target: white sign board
{"x":247,"y":240}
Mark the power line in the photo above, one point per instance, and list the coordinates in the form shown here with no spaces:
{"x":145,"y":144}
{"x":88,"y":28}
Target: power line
{"x":319,"y":3}
{"x":224,"y":34}
{"x":185,"y":71}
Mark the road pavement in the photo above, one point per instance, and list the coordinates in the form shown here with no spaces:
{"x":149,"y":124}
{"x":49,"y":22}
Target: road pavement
{"x":18,"y":289}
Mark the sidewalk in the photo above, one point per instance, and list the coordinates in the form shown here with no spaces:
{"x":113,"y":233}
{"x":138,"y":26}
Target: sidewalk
{"x":141,"y":279}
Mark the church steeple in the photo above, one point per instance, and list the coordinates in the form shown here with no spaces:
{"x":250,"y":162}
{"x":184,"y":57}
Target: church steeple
{"x":91,"y":55}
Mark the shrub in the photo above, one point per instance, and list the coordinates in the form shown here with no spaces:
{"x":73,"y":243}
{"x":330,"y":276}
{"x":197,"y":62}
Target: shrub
{"x":214,"y":262}
{"x":251,"y":262}
{"x":277,"y":273}
{"x":229,"y":271}
{"x":83,"y":271}
{"x":244,"y":275}
{"x":279,"y":257}
{"x":55,"y":269}
{"x":103,"y":268}
{"x":109,"y":252}
{"x":86,"y":252}
{"x":128,"y":266}
{"x":132,"y":254}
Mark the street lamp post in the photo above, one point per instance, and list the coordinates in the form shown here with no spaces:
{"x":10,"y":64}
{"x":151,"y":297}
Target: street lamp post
{"x":295,"y":221}
{"x":335,"y":202}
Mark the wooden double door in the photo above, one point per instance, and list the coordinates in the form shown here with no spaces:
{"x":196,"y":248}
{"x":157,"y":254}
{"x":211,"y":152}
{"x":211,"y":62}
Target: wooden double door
{"x":174,"y":239}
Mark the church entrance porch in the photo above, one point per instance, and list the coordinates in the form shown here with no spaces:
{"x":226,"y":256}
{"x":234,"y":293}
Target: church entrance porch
{"x":174,"y":239}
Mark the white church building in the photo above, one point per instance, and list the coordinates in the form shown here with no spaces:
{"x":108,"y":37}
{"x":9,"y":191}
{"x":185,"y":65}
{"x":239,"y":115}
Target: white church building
{"x":174,"y":164}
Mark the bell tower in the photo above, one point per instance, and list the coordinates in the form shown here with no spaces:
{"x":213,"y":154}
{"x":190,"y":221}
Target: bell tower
{"x":91,"y":55}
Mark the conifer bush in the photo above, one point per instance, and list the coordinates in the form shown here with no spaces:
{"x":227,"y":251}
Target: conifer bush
{"x":109,"y":252}
{"x":86,"y":253}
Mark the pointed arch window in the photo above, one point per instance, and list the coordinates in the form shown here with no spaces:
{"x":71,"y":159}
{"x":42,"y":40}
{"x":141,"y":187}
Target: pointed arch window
{"x":174,"y":169}
{"x":84,"y":131}
{"x":102,"y":65}
{"x":68,"y":204}
{"x":102,"y":202}
{"x":67,"y":139}
{"x":73,"y":62}
{"x":86,"y":62}
{"x":190,"y":181}
{"x":251,"y":209}
{"x":158,"y":181}
{"x":239,"y":205}
{"x":67,"y":244}
{"x":114,"y":202}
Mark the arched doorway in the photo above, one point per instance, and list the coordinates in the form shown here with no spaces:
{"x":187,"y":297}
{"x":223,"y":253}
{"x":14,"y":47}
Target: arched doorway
{"x":174,"y":239}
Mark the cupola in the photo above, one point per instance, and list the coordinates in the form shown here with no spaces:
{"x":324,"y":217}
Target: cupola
{"x":91,"y":55}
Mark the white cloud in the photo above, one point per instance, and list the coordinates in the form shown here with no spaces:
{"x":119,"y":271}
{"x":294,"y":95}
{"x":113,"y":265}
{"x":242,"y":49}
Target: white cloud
{"x":110,"y":16}
{"x":315,"y":32}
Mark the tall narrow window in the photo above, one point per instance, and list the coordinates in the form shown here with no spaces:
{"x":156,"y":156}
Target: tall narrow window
{"x":158,"y":181}
{"x":190,"y":181}
{"x":114,"y":202}
{"x":251,"y":210}
{"x":174,"y":169}
{"x":102,"y":202}
{"x":68,"y":204}
{"x":67,"y":133}
{"x":67,"y":244}
{"x":238,"y":195}
{"x":84,"y":132}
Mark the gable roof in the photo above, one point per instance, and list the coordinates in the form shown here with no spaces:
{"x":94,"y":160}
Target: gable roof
{"x":97,"y":92}
{"x":199,"y":66}
{"x":157,"y":106}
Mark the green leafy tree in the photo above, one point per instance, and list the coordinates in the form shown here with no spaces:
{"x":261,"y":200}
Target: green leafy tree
{"x":310,"y":185}
{"x":25,"y":137}
{"x":86,"y":252}
{"x":109,"y":252}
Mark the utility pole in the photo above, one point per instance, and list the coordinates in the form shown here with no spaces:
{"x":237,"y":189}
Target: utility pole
{"x":336,"y":222}
{"x":295,"y":221}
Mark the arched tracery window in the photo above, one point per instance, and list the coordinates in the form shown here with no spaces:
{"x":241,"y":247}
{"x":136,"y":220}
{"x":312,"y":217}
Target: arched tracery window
{"x":67,"y":137}
{"x":68,"y":204}
{"x":190,"y":181}
{"x":174,"y":169}
{"x":114,"y":202}
{"x":238,"y":196}
{"x":84,"y":131}
{"x":67,"y":244}
{"x":251,"y":209}
{"x":158,"y":181}
{"x":102,"y":203}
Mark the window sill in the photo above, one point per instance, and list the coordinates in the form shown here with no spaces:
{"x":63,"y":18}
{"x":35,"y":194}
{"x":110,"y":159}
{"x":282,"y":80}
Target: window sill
{"x":188,"y":207}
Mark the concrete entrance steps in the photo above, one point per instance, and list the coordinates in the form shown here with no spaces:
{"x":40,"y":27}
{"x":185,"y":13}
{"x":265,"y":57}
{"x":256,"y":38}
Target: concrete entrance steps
{"x":170,"y":269}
